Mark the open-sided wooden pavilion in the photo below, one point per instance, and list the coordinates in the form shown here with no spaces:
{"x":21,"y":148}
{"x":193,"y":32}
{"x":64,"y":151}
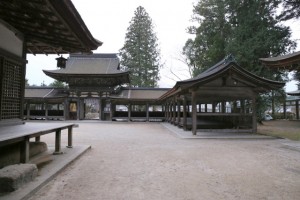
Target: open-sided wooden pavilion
{"x":45,"y":103}
{"x":288,"y":62}
{"x":138,"y":104}
{"x":222,"y":97}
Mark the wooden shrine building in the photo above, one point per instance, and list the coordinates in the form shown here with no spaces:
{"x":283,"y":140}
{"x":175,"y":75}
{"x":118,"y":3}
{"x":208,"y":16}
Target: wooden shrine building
{"x":91,"y":78}
{"x":45,"y":103}
{"x":138,"y":104}
{"x":35,"y":27}
{"x":222,"y":97}
{"x":289,"y":62}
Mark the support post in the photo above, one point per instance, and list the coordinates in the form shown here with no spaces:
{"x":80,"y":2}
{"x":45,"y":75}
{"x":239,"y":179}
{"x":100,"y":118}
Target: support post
{"x":70,"y":137}
{"x":78,"y":109}
{"x":24,"y":150}
{"x":57,"y":142}
{"x":297,"y":109}
{"x":147,"y":112}
{"x":38,"y":138}
{"x":129,"y":112}
{"x":284,"y":109}
{"x":28,"y":110}
{"x":174,"y":112}
{"x":254,"y":121}
{"x":66,"y":109}
{"x":46,"y":111}
{"x":184,"y":114}
{"x":178,"y":111}
{"x":100,"y":107}
{"x":194,"y":113}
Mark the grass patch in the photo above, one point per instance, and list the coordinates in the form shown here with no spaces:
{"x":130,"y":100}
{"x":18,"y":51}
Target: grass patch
{"x":281,"y":128}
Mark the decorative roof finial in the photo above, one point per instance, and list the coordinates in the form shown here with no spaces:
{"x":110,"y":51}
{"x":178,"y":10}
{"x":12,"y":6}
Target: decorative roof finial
{"x":230,"y":58}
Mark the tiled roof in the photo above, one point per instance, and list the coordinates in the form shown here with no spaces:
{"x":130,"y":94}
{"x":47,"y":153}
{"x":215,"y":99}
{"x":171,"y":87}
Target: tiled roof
{"x":226,"y":66}
{"x":288,"y":62}
{"x":44,"y":93}
{"x":294,"y":93}
{"x":94,"y":64}
{"x":279,"y":58}
{"x":140,"y":93}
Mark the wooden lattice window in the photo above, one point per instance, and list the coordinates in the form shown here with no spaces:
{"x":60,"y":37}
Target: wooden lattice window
{"x":11,"y":89}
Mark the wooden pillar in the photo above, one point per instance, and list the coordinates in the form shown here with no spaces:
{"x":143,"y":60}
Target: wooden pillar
{"x":194,"y":113}
{"x":243,"y":110}
{"x":46,"y":111}
{"x":70,"y":137}
{"x":147,"y":112}
{"x":168,"y":111}
{"x":100,"y":107}
{"x":28,"y":110}
{"x":213,"y":107}
{"x":129,"y":111}
{"x":57,"y":142}
{"x":174,"y":112}
{"x":178,"y":111}
{"x":66,"y":109}
{"x":223,"y":107}
{"x":184,"y":122}
{"x":78,"y":108}
{"x":284,"y":109}
{"x":297,"y":109}
{"x":254,"y":121}
{"x":111,"y":110}
{"x":24,"y":150}
{"x":38,"y":138}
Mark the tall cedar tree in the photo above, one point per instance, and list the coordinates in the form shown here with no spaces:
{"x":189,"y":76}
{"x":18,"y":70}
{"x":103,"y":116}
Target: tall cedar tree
{"x":209,"y":45}
{"x":140,"y":54}
{"x":248,"y":29}
{"x":291,"y":10}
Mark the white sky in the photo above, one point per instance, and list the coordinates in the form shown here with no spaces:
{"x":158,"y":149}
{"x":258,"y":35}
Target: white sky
{"x":108,"y":22}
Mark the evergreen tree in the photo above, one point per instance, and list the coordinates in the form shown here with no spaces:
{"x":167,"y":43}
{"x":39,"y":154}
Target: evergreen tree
{"x":247,"y":29}
{"x":58,"y":84}
{"x":208,"y":47}
{"x":140,"y":54}
{"x":257,"y":33}
{"x":291,"y":10}
{"x":26,"y":83}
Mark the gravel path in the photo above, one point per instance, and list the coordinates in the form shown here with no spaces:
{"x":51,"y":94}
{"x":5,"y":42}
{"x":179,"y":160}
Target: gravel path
{"x":145,"y":161}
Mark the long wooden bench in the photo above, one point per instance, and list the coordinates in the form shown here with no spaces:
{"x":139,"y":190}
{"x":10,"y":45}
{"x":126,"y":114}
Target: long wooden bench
{"x":22,"y":133}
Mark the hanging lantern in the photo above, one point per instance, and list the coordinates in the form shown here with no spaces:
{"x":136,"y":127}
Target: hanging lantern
{"x":61,"y":62}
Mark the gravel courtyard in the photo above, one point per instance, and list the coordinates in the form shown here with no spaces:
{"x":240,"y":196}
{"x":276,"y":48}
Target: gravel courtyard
{"x":146,"y":161}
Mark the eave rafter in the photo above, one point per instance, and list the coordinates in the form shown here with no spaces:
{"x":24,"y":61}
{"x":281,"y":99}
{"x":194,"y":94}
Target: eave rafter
{"x":48,"y":26}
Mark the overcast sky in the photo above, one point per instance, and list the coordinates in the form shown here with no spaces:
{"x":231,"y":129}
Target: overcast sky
{"x":108,"y":22}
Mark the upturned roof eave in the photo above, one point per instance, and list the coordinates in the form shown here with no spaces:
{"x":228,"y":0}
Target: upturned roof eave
{"x":50,"y":26}
{"x":57,"y":73}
